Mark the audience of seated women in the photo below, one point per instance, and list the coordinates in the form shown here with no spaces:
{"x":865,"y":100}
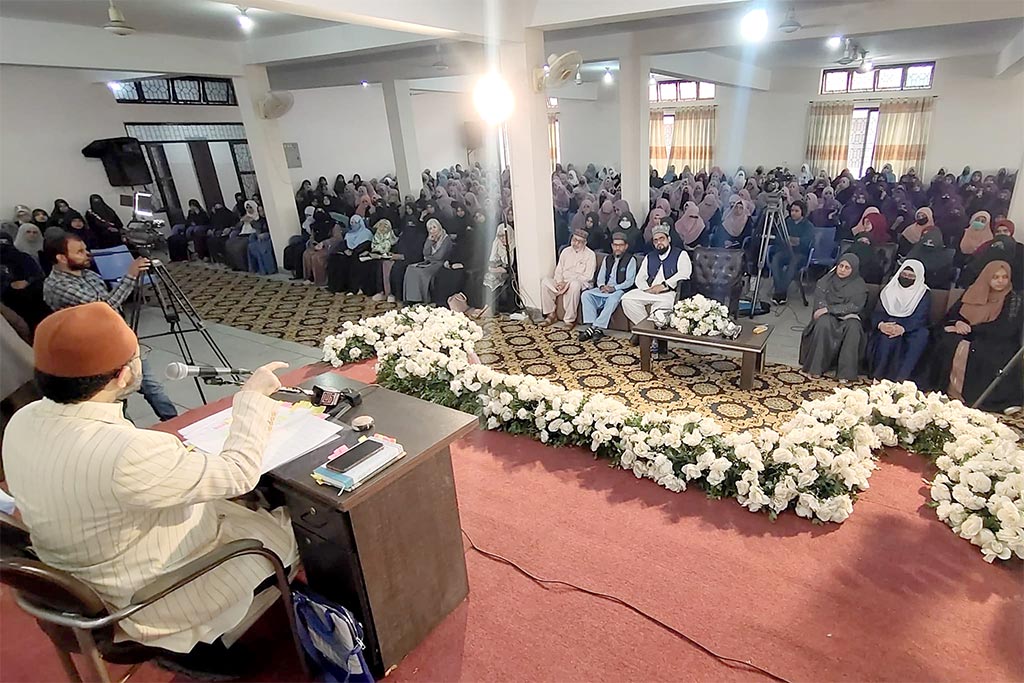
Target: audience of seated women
{"x":21,"y":280}
{"x":977,"y":337}
{"x":931,"y":251}
{"x":835,"y":336}
{"x":898,"y":334}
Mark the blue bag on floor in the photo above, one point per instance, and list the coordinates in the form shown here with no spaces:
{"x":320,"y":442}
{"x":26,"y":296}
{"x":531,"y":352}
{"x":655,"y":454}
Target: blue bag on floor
{"x":331,"y":637}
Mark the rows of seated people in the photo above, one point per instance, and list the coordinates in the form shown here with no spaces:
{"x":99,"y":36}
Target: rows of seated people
{"x":239,"y":238}
{"x":647,"y":265}
{"x":454,"y":244}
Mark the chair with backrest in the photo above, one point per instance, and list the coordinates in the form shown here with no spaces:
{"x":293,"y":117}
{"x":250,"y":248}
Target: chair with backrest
{"x":717,"y":274}
{"x":112,"y":263}
{"x":821,"y":255}
{"x":77,"y":620}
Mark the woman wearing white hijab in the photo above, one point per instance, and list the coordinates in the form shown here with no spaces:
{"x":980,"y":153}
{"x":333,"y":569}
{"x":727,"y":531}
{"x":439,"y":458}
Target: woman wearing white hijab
{"x":899,"y":325}
{"x":29,"y":240}
{"x":805,"y":176}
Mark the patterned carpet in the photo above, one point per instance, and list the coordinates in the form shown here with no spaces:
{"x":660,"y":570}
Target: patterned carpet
{"x":688,"y":381}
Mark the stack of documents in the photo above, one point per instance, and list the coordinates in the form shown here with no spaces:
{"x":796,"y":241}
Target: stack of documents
{"x":298,"y":429}
{"x":353,"y":477}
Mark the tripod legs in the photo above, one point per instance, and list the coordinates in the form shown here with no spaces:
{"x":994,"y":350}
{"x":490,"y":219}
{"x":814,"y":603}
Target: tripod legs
{"x":173,"y":302}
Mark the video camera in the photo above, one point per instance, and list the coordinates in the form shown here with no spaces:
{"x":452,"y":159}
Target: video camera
{"x":143,"y":231}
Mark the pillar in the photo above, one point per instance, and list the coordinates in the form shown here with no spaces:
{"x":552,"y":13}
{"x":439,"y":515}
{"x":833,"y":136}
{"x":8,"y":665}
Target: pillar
{"x":634,"y":132}
{"x":530,"y":164}
{"x":1016,"y":212}
{"x":264,"y":138}
{"x":398,"y":107}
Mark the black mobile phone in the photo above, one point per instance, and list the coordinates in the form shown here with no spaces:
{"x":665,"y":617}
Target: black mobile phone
{"x":354,"y":456}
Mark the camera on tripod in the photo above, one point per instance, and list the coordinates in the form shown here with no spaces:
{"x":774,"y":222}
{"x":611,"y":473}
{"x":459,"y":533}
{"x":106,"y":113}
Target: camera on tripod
{"x":142,"y":233}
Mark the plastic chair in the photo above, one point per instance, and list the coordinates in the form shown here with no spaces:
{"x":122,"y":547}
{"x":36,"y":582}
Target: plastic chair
{"x":112,"y":263}
{"x":76,"y":619}
{"x":822,"y":253}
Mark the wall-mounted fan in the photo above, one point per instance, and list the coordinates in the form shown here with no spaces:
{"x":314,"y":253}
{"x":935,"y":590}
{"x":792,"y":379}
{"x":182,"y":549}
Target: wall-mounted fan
{"x":275,"y":104}
{"x":558,"y":70}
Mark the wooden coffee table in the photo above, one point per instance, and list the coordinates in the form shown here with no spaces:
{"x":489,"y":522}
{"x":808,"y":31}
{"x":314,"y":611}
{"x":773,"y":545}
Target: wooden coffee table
{"x":751,"y":345}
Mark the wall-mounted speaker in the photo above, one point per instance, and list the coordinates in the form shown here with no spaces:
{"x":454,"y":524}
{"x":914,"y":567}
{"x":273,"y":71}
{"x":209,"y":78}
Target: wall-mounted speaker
{"x":123,"y":160}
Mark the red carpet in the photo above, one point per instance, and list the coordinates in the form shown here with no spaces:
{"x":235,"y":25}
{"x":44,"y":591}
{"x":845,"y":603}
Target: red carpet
{"x":889,"y":595}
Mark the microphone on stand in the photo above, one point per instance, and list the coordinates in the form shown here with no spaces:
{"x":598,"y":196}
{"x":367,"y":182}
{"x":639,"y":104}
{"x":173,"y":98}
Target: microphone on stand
{"x":176,"y":371}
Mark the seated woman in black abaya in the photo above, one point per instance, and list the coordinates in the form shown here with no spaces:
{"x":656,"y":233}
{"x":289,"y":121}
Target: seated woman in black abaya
{"x":340,"y":270}
{"x":463,"y":270}
{"x":835,"y":336}
{"x":979,"y":335}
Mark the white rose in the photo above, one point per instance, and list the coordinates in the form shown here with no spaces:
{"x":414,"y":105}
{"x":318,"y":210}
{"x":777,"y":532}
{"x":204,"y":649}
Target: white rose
{"x":940,"y":493}
{"x":971,"y":526}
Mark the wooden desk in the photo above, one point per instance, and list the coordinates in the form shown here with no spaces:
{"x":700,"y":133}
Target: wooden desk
{"x":751,"y":345}
{"x":391,"y":551}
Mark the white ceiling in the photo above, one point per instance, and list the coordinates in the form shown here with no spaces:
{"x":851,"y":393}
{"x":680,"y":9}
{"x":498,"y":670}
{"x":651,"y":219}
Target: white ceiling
{"x":193,"y":18}
{"x":938,"y":42}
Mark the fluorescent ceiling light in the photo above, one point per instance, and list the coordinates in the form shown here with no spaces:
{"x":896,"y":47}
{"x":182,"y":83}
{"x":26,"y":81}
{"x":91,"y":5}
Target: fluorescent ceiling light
{"x":834,"y":42}
{"x":244,"y":20}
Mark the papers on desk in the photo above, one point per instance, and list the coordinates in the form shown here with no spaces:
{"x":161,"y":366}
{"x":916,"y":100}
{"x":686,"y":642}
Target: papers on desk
{"x":298,"y":429}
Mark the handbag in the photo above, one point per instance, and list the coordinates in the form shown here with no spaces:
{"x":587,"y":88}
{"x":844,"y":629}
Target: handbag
{"x":331,"y":637}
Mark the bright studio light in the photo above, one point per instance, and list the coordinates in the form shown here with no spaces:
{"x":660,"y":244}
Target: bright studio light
{"x":754,"y":25}
{"x":244,"y":20}
{"x":607,"y":78}
{"x":492,"y":98}
{"x":834,"y":42}
{"x":115,"y":86}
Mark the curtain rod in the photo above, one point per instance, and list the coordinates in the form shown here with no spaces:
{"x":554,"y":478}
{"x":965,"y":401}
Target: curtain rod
{"x":870,"y":99}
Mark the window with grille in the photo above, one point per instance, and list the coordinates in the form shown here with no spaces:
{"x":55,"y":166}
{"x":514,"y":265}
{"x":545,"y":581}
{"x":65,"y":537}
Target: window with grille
{"x":186,"y":90}
{"x":680,"y":91}
{"x":880,"y":79}
{"x":863,"y":135}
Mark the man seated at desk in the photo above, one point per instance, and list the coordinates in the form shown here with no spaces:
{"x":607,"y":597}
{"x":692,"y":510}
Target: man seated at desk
{"x":117,"y":507}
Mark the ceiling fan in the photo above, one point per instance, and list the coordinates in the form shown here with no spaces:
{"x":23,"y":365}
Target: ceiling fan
{"x":117,"y":24}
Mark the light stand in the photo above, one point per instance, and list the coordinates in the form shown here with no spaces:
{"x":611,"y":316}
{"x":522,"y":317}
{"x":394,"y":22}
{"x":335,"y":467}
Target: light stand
{"x":774,"y":222}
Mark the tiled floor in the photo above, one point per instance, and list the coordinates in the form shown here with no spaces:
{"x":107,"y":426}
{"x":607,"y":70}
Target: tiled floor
{"x":242,"y":348}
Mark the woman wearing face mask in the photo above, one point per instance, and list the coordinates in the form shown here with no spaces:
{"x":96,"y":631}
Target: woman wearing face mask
{"x":899,"y":325}
{"x":1002,"y":248}
{"x":835,"y":336}
{"x":911,"y":235}
{"x":736,"y":225}
{"x":627,"y":224}
{"x":852,"y":212}
{"x":979,"y":335}
{"x":977,"y":233}
{"x":931,"y":251}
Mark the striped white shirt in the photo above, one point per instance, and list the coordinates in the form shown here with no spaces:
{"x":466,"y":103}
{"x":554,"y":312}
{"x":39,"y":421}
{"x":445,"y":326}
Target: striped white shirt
{"x":117,"y":507}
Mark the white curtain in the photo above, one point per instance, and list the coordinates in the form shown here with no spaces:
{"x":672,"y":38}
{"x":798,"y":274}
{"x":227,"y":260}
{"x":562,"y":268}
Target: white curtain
{"x":903,"y":129}
{"x":828,"y":136}
{"x":693,"y":138}
{"x":659,"y":159}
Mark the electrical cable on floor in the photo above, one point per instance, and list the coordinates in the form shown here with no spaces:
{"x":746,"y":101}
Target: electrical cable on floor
{"x":619,"y":601}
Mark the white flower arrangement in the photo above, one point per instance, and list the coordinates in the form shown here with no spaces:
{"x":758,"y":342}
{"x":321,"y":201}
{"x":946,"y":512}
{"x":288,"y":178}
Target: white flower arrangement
{"x":815,"y":464}
{"x":701,"y":316}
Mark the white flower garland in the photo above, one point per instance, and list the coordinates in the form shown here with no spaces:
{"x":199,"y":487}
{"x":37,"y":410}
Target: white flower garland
{"x":816,"y":463}
{"x":700,"y":316}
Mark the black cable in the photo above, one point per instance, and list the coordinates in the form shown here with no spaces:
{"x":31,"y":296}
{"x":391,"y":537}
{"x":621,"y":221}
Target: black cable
{"x":619,"y":601}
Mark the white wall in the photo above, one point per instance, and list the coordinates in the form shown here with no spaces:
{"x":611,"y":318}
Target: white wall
{"x":224,"y":164}
{"x":589,"y":129}
{"x":186,"y":182}
{"x":977,"y":120}
{"x":345,"y":130}
{"x":47,"y":115}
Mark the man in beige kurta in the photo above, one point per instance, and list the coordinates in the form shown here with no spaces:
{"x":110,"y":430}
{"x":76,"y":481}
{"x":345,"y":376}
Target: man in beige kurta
{"x":116,"y":506}
{"x":573,"y":274}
